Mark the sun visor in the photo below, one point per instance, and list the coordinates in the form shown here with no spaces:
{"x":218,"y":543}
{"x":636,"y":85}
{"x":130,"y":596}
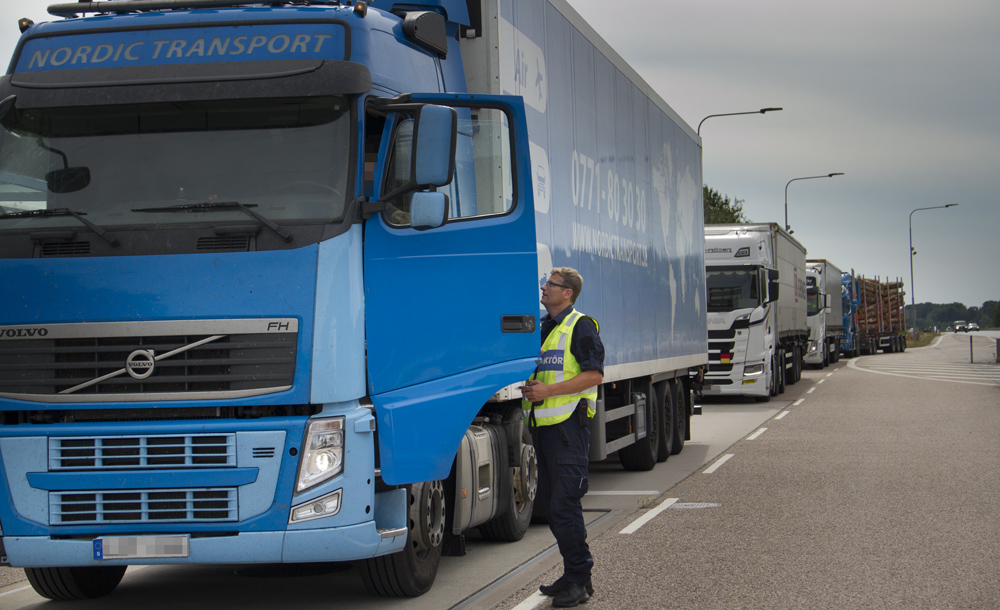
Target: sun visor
{"x":211,"y":81}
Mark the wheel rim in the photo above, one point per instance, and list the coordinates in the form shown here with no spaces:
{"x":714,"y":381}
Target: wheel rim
{"x":427,"y":516}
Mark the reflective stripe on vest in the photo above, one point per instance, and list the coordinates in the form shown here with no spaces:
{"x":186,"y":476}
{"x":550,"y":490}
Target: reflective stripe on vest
{"x":558,"y":364}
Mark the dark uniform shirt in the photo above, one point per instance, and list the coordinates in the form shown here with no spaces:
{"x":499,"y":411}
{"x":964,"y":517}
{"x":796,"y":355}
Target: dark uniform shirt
{"x":586,"y":345}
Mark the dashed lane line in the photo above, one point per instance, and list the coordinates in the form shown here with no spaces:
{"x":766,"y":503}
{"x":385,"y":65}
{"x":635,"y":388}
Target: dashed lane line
{"x":718,"y":463}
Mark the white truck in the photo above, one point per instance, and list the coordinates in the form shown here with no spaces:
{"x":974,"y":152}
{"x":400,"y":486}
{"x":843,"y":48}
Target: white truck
{"x":825,"y":311}
{"x":757,"y":329}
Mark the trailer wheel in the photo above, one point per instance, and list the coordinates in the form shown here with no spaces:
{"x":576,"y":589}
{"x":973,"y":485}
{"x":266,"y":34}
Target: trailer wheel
{"x":412,"y":571}
{"x":66,"y":584}
{"x":680,"y":410}
{"x":523,"y":481}
{"x":642,"y":455}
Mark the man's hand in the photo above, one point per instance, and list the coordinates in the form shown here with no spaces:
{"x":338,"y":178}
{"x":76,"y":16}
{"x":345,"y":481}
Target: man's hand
{"x":535,"y":391}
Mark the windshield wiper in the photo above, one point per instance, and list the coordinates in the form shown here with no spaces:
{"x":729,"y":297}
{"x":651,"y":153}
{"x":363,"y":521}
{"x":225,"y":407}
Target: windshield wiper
{"x":107,"y":235}
{"x":213,"y":205}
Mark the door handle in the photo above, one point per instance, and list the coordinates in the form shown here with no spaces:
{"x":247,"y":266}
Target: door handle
{"x":517,"y":324}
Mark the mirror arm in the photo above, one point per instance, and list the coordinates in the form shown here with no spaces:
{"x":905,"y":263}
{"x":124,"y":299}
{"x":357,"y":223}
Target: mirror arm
{"x":367,"y":209}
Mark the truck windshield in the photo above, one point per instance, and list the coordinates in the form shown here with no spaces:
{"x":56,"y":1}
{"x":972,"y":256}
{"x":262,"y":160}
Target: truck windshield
{"x":730,"y":289}
{"x":288,"y":159}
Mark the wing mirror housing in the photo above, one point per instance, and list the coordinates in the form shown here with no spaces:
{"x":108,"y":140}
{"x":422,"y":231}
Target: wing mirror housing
{"x":428,"y":210}
{"x":773,"y":287}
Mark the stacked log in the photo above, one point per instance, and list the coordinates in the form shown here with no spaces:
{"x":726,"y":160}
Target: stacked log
{"x":880,"y":306}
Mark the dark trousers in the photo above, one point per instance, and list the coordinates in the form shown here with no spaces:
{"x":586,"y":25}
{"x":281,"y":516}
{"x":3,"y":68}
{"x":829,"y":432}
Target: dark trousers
{"x":563,"y":457}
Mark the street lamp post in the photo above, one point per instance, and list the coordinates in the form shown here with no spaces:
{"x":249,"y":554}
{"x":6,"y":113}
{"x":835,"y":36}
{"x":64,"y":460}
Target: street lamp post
{"x":913,"y":296}
{"x":761,"y":111}
{"x":787,"y":227}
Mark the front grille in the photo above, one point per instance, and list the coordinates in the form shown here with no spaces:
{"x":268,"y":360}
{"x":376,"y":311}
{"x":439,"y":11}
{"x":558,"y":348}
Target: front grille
{"x":190,"y":359}
{"x":142,"y":452}
{"x":715,"y":351}
{"x":143,"y":506}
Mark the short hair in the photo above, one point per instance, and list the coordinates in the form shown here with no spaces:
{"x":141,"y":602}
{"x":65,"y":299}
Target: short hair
{"x":572,"y":278}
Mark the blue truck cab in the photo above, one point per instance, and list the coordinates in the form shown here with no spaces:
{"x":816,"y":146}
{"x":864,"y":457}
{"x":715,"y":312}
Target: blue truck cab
{"x":229,"y":333}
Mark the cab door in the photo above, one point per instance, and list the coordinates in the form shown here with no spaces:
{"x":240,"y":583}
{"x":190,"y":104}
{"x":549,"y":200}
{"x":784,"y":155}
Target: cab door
{"x":463,"y":296}
{"x":451,"y":310}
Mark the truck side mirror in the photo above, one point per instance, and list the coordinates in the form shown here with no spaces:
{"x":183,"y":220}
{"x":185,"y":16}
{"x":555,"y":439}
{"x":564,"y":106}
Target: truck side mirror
{"x":423,"y":151}
{"x":772,"y":285}
{"x":428,"y":210}
{"x":434,"y":146}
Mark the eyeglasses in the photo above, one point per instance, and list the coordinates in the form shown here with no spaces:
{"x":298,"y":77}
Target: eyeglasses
{"x":550,"y":284}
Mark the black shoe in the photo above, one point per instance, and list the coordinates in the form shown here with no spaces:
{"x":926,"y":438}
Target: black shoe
{"x":573,"y":595}
{"x":560,"y":585}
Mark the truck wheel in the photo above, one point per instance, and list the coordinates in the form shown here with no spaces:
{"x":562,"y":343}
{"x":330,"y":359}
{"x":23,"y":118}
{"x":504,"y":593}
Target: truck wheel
{"x":680,"y":433}
{"x":65,"y":584}
{"x":411,"y":572}
{"x":664,"y":398}
{"x":523,"y":483}
{"x":642,"y":455}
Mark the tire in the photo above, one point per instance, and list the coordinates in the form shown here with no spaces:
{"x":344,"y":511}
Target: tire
{"x":522,"y":480}
{"x":641,"y":456}
{"x":66,"y":584}
{"x":664,"y":397}
{"x":680,"y":403}
{"x":411,"y":572}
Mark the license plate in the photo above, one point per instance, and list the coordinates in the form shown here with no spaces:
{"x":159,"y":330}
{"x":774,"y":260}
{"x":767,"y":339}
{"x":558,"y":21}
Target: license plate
{"x":141,"y":547}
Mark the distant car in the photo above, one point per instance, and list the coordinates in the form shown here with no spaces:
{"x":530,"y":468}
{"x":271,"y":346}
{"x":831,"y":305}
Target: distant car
{"x":961,"y":326}
{"x":972,"y":326}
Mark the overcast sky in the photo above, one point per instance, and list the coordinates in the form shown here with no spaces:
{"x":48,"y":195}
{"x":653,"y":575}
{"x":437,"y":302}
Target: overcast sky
{"x":903,"y":96}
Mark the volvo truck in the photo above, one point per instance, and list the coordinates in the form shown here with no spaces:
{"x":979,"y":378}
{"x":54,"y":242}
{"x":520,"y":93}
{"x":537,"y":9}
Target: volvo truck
{"x":271,"y":276}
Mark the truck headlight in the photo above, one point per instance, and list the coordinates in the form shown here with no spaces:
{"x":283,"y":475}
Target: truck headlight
{"x":322,"y":453}
{"x":753,"y":369}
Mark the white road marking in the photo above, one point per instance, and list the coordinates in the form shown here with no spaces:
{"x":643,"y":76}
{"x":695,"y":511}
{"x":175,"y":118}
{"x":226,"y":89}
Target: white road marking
{"x":756,"y":434}
{"x":652,"y":492}
{"x":798,"y":402}
{"x":782,"y":414}
{"x":718,"y":463}
{"x":820,"y":381}
{"x":643,"y":520}
{"x":533,"y":601}
{"x":811,"y":390}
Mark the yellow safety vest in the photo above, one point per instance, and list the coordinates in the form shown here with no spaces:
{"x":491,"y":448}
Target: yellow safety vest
{"x":558,"y":364}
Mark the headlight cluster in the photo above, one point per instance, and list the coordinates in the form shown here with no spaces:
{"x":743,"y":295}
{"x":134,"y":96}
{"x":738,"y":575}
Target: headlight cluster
{"x":322,"y":452}
{"x":753,"y":369}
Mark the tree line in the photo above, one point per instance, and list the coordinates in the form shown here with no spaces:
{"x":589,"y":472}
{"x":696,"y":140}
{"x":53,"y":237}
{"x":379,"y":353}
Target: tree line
{"x":723,"y":209}
{"x":942,"y":316}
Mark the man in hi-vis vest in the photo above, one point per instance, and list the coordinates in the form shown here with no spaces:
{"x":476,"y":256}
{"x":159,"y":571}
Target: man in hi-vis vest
{"x":559,"y":400}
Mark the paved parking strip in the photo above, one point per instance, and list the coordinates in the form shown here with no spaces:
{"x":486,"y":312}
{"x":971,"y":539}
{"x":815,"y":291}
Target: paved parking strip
{"x":946,"y":360}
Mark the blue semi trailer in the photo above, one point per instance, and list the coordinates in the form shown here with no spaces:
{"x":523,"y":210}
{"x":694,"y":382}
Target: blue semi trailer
{"x":271,"y":275}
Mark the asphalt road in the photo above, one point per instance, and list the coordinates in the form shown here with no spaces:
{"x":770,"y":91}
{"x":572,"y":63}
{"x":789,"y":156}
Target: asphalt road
{"x":874,"y":491}
{"x":862,"y":487}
